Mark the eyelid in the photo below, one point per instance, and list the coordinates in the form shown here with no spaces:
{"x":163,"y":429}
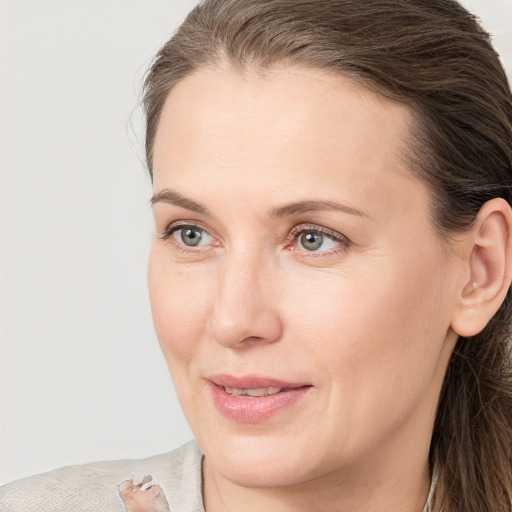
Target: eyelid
{"x":176,"y":225}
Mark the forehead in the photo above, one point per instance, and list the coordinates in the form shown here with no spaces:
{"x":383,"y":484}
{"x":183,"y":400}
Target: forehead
{"x":288,"y":125}
{"x":297,"y":98}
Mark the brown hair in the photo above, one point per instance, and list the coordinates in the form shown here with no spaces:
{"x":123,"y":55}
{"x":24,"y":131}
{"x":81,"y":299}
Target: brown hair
{"x":433,"y":56}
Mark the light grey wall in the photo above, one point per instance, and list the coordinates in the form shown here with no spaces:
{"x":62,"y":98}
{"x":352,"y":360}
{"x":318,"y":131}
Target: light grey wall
{"x":82,"y":377}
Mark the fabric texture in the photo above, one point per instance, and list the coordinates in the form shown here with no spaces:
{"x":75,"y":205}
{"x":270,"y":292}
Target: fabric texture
{"x":95,"y":487}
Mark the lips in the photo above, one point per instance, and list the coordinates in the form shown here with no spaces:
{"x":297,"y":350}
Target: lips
{"x":254,"y":399}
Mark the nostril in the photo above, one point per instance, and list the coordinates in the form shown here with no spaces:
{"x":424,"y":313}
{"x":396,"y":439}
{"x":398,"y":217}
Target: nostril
{"x":261,"y":327}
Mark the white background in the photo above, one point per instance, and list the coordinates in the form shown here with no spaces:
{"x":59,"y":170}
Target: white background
{"x":82,"y":377}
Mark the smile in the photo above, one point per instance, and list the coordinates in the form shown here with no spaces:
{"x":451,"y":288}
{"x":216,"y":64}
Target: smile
{"x":254,"y":399}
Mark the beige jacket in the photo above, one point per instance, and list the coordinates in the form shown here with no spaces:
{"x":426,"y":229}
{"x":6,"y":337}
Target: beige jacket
{"x":94,"y":487}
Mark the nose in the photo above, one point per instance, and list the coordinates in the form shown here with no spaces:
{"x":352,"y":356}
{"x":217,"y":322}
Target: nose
{"x":244,"y":312}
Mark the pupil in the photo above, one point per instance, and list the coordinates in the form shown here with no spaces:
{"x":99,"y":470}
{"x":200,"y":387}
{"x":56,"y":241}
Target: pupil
{"x":191,"y":236}
{"x":311,"y":240}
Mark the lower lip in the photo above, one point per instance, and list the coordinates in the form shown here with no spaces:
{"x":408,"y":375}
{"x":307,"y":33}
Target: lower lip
{"x":254,"y":409}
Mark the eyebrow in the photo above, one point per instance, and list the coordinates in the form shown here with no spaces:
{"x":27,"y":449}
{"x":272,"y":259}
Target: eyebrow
{"x":172,"y":197}
{"x":312,"y":206}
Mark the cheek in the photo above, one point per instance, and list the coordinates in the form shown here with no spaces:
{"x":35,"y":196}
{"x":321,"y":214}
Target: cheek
{"x":383,"y":322}
{"x":181,"y":301}
{"x":373,"y":340}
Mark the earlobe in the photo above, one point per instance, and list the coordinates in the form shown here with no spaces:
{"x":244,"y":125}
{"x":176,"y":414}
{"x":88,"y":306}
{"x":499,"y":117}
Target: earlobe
{"x":488,"y":264}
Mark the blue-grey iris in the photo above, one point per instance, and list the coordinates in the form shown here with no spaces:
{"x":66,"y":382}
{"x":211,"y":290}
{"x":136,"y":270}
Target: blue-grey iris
{"x":191,"y":236}
{"x":311,"y":240}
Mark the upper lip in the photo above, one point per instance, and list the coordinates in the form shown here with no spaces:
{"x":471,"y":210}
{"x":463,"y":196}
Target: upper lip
{"x":253,"y":382}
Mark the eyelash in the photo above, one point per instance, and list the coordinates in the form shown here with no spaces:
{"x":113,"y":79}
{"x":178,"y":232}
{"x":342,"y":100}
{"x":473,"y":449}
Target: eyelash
{"x":295,"y":233}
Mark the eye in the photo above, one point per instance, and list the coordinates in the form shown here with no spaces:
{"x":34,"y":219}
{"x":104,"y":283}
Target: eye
{"x":319,"y":240}
{"x":188,"y":235}
{"x":192,"y":236}
{"x":315,"y":241}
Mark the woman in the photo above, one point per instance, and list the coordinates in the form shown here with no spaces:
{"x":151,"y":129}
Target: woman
{"x":331,"y":263}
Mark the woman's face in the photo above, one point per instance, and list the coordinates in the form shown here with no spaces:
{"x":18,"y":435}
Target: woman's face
{"x":300,"y":295}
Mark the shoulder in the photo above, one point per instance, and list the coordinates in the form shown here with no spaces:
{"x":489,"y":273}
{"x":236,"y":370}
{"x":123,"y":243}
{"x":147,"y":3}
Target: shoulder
{"x":93,"y":487}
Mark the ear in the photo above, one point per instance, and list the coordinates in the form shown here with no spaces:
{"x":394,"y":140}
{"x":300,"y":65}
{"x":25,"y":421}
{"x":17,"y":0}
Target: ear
{"x":488,"y":268}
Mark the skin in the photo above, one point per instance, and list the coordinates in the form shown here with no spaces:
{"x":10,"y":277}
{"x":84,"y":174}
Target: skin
{"x":365,"y":320}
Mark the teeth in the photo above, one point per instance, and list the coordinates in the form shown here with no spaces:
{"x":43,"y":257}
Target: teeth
{"x":251,"y":392}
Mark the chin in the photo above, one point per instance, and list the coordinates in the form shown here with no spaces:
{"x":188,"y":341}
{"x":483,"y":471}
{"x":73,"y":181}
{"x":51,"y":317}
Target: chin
{"x":261,"y":461}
